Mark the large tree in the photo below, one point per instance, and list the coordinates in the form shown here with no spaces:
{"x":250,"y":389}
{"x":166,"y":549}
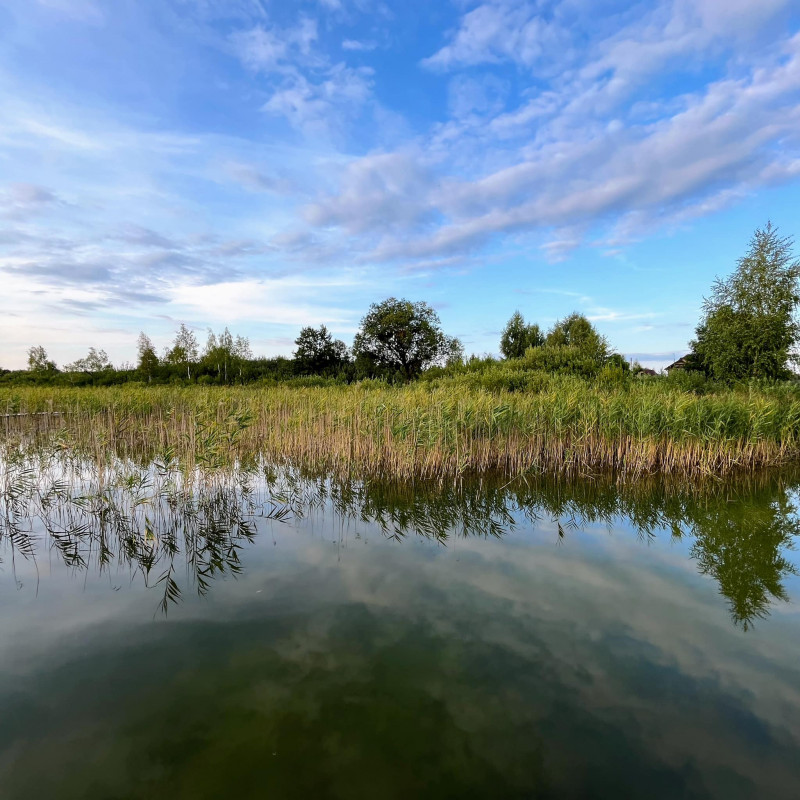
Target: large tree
{"x":518,"y":336}
{"x":318,"y":352}
{"x":402,"y":337}
{"x":38,"y":360}
{"x":749,"y":328}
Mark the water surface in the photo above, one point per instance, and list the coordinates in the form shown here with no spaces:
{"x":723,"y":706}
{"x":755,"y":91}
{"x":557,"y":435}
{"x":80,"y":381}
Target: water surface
{"x":273,"y":635}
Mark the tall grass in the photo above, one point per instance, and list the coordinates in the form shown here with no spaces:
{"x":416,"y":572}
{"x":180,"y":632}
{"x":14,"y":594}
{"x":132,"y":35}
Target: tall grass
{"x":562,"y":424}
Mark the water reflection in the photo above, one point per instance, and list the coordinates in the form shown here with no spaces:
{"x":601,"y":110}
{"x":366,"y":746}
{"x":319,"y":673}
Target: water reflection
{"x":150,"y":520}
{"x":486,"y":639}
{"x":160,"y":521}
{"x":742,"y":531}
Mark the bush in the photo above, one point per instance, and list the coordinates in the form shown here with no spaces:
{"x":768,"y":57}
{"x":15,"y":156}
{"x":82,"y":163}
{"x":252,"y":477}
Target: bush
{"x":689,"y":381}
{"x":561,"y":359}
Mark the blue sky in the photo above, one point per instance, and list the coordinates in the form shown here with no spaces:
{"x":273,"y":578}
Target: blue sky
{"x":267,"y":165}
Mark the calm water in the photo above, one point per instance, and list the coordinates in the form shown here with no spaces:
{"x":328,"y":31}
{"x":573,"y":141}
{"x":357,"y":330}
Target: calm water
{"x":318,"y":640}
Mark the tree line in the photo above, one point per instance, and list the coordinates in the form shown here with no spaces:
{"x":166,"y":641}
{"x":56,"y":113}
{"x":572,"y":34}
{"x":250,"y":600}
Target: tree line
{"x":749,"y":329}
{"x":397,"y":340}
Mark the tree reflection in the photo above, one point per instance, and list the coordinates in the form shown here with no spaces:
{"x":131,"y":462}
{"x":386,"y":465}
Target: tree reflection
{"x":160,"y":520}
{"x":744,"y":547}
{"x":743,"y":530}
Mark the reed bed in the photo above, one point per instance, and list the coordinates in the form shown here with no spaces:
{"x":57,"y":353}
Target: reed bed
{"x":568,"y":425}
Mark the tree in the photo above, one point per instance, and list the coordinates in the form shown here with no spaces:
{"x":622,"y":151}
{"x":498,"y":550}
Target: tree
{"x":518,"y":337}
{"x":401,"y":337}
{"x":749,"y":328}
{"x":241,"y":354}
{"x":148,"y":360}
{"x":618,"y":361}
{"x":241,"y":348}
{"x":38,"y":360}
{"x":576,"y":331}
{"x":744,"y":546}
{"x":218,"y":353}
{"x":453,"y":352}
{"x":318,"y":352}
{"x":225,"y":355}
{"x":94,"y":361}
{"x":184,"y":350}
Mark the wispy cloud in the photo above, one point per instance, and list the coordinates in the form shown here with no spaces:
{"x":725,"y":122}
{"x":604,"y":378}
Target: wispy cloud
{"x":500,"y":31}
{"x":355,"y":45}
{"x":316,"y":107}
{"x":304,"y":86}
{"x":736,"y":134}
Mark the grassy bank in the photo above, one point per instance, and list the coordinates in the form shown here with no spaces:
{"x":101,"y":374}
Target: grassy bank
{"x":563,"y":424}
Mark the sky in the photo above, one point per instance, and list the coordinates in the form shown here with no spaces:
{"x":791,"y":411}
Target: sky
{"x":267,"y":165}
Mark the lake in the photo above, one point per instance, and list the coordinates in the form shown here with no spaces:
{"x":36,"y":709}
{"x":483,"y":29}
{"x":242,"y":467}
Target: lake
{"x":264,"y":633}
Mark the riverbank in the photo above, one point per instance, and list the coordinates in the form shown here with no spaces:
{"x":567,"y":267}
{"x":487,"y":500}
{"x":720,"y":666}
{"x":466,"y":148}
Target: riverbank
{"x":567,"y":425}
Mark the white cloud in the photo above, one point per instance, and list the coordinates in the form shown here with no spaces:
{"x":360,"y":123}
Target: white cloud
{"x":476,"y":96}
{"x":264,"y":48}
{"x":259,"y":179}
{"x":732,"y":17}
{"x":379,"y":192}
{"x":736,"y":133}
{"x":286,"y":301}
{"x":497,"y":32}
{"x":315,"y":96}
{"x":22,"y":200}
{"x":358,"y":46}
{"x":321,"y":107}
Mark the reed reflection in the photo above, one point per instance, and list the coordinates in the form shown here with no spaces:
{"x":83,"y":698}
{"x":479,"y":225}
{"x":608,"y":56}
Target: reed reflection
{"x":157,"y":522}
{"x":162,"y":520}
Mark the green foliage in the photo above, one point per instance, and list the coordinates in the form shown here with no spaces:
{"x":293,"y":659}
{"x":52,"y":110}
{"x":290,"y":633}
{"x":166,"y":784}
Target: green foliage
{"x":518,"y":337}
{"x":318,"y":353}
{"x":576,"y":331}
{"x":453,"y":351}
{"x":612,"y":375}
{"x":147,"y":358}
{"x":690,"y":380}
{"x":94,"y":361}
{"x":224,"y":357}
{"x":38,"y":360}
{"x":617,"y":360}
{"x":184,"y":350}
{"x":566,"y":359}
{"x":749,"y":328}
{"x":400,"y":337}
{"x":463,"y":420}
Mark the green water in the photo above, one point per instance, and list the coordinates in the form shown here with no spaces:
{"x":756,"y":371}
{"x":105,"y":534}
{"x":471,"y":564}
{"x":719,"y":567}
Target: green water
{"x":314,"y":639}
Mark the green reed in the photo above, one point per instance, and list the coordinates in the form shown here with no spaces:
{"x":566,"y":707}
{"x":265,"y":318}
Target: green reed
{"x":565,"y":425}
